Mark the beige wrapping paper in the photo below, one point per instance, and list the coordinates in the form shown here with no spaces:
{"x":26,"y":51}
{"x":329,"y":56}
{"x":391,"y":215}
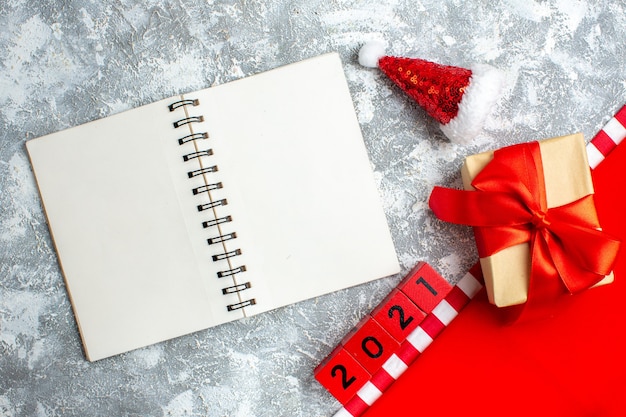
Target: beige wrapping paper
{"x":567,"y":178}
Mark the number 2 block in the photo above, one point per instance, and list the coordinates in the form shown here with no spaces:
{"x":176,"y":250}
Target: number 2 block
{"x":341,"y":374}
{"x":398,"y":315}
{"x":370,"y":344}
{"x":425,"y":287}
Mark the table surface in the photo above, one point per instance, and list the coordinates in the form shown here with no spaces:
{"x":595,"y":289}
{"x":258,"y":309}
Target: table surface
{"x":64,"y":63}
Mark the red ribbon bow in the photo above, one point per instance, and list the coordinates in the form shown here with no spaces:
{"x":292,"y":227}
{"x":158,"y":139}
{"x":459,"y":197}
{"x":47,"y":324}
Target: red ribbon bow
{"x":509,"y":207}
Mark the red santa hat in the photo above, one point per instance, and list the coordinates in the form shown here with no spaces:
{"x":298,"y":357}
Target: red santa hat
{"x":459,"y":99}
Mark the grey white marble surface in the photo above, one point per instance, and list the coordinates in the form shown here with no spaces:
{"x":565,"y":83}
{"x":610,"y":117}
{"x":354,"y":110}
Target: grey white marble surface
{"x":66,"y":62}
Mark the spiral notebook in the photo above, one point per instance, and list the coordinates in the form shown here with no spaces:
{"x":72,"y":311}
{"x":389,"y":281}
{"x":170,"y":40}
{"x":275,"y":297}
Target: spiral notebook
{"x":212,"y":206}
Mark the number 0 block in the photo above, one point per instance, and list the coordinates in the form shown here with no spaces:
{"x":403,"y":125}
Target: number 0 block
{"x":398,"y":315}
{"x":341,"y":374}
{"x":425,"y":287}
{"x":370,"y":344}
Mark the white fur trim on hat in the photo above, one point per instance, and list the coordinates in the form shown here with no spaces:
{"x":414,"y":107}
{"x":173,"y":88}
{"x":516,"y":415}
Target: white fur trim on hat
{"x":485,"y":87}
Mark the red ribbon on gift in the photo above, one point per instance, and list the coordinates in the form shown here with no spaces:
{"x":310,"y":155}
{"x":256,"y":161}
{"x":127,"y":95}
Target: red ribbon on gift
{"x":568,"y":252}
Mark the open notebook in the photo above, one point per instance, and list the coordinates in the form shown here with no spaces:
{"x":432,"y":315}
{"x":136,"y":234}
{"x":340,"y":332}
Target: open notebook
{"x":212,"y":206}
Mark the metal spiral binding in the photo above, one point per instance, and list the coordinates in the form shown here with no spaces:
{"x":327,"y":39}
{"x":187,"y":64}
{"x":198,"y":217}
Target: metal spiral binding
{"x":242,"y":304}
{"x":187,"y":120}
{"x":193,"y":136}
{"x":202,"y":171}
{"x":236,"y":288}
{"x":198,"y":154}
{"x":181,"y":103}
{"x":207,"y":188}
{"x":220,"y":238}
{"x":207,"y":206}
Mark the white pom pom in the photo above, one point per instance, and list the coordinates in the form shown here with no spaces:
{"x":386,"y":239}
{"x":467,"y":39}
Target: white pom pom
{"x":371,"y":52}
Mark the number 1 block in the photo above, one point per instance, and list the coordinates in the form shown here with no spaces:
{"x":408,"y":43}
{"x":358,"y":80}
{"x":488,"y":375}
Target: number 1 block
{"x":425,"y":287}
{"x":341,"y":374}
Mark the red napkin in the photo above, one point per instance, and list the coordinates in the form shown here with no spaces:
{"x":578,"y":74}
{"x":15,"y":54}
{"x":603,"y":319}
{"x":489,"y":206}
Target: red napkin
{"x":572,"y":364}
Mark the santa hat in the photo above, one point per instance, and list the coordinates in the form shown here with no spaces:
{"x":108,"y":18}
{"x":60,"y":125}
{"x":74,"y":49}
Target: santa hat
{"x":459,"y":99}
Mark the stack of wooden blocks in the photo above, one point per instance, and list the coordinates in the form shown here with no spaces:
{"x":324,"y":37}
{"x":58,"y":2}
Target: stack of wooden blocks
{"x":369,"y":346}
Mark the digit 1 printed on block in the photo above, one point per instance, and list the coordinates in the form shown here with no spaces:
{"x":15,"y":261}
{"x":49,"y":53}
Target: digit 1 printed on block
{"x":425,"y":287}
{"x":341,"y":374}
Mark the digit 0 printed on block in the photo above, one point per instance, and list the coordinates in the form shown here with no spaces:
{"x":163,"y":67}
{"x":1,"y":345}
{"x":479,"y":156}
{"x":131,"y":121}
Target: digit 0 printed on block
{"x":370,"y":344}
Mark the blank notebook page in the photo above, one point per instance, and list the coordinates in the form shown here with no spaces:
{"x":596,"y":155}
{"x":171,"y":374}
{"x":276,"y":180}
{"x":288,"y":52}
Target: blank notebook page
{"x":295,"y":179}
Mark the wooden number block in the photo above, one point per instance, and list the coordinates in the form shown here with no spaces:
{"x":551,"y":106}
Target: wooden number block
{"x":425,"y":287}
{"x":398,"y":315}
{"x":341,"y":374}
{"x":370,"y":344}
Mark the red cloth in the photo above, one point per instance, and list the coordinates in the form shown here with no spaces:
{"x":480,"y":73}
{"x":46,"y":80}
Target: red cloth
{"x":570,"y":365}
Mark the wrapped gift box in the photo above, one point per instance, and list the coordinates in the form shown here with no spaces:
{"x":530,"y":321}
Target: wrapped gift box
{"x":567,"y":178}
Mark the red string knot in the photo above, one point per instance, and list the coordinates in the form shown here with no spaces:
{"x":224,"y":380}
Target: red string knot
{"x":540,"y":220}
